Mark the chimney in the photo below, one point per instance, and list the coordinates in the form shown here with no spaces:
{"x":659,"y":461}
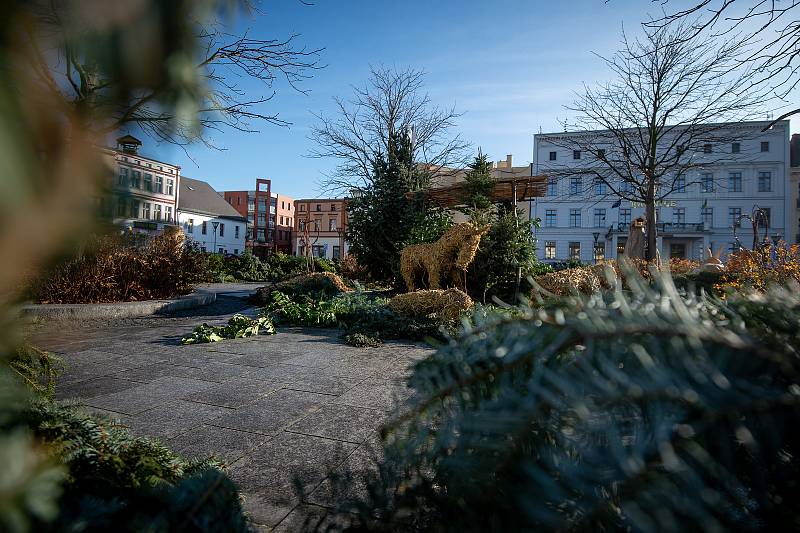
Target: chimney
{"x":794,"y":150}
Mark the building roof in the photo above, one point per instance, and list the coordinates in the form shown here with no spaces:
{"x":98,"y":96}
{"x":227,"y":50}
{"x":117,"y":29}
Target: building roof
{"x":199,"y":197}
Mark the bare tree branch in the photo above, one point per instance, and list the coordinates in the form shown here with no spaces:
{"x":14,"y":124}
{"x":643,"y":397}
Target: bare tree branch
{"x":391,"y":102}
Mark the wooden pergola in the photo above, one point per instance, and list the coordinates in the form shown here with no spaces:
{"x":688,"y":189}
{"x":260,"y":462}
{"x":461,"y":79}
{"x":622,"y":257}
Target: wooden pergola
{"x":513,"y":190}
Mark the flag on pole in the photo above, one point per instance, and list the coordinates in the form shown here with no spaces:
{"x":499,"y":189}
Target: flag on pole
{"x":616,"y":204}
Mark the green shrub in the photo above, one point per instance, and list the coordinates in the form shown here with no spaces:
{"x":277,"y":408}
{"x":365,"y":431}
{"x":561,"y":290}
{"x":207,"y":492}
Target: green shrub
{"x":302,"y":310}
{"x":238,"y":326}
{"x":621,"y":411}
{"x":359,"y":340}
{"x":119,"y":482}
{"x":37,"y":369}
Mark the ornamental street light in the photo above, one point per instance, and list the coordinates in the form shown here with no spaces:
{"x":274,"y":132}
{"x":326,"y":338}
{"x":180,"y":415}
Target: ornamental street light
{"x":596,"y":236}
{"x":215,"y":224}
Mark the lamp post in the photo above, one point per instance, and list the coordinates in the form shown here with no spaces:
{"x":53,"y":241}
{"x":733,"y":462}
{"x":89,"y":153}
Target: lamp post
{"x":215,"y":224}
{"x":596,"y":236}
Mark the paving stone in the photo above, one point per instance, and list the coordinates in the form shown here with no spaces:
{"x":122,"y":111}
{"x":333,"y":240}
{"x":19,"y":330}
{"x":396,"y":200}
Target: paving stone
{"x":268,"y":474}
{"x":92,"y":387}
{"x":273,"y":412}
{"x":208,"y":371}
{"x":341,"y":422}
{"x":348,"y":482}
{"x":384,"y":395}
{"x":227,"y":445}
{"x":355,"y":367}
{"x":302,"y":518}
{"x":236,"y":392}
{"x":148,"y":395}
{"x":261,"y":359}
{"x":173,"y":419}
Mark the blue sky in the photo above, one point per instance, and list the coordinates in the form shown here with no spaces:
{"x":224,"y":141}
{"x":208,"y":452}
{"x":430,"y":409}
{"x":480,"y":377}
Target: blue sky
{"x":509,"y":65}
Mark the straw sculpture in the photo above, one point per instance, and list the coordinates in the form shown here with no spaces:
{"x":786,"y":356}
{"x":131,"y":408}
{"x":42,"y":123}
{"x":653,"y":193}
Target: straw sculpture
{"x":446,"y":304}
{"x":454,"y":251}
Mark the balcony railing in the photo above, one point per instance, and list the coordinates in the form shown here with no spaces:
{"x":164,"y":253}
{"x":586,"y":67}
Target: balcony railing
{"x":669,"y":227}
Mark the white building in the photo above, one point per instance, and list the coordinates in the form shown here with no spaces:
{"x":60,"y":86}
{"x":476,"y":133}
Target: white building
{"x":731,"y":179}
{"x":145,"y":191}
{"x":209,"y":220}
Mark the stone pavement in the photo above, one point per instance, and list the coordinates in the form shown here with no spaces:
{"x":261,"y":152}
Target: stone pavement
{"x":298,"y":404}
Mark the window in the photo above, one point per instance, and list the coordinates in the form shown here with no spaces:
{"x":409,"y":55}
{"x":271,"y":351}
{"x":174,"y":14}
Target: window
{"x":123,"y":177}
{"x":575,"y":218}
{"x":707,"y":182}
{"x":236,"y":251}
{"x":624,"y":215}
{"x":550,"y":249}
{"x":236,"y":232}
{"x":680,"y":149}
{"x":319,"y":207}
{"x":262,"y":219}
{"x":574,"y":185}
{"x":621,"y":246}
{"x":736,"y":148}
{"x":765,"y":146}
{"x":601,"y":153}
{"x":317,"y":224}
{"x":146,"y":210}
{"x":552,"y":156}
{"x":677,"y":250}
{"x":679,"y":215}
{"x":626,"y":187}
{"x":599,"y":187}
{"x":122,"y":206}
{"x":318,"y":250}
{"x":332,"y":224}
{"x":159,"y":185}
{"x":599,"y":218}
{"x":136,"y":179}
{"x":680,"y":184}
{"x":203,"y":249}
{"x":156,"y":211}
{"x":735,"y":182}
{"x":707,"y":149}
{"x":281,"y":219}
{"x":764,"y":181}
{"x":575,"y":250}
{"x":551,"y":186}
{"x":222,"y":230}
{"x":734,"y":214}
{"x":301,"y":224}
{"x":260,"y":235}
{"x":333,"y":207}
{"x":148,"y":182}
{"x":599,"y":251}
{"x":336,"y":252}
{"x":190,"y":226}
{"x":283,"y":204}
{"x":576,"y":154}
{"x":707,"y":215}
{"x":168,"y":213}
{"x":221,"y":250}
{"x":204,"y":228}
{"x":550,"y":218}
{"x":302,"y":207}
{"x":134,"y":208}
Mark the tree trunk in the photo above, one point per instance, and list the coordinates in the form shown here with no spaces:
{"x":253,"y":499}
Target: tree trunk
{"x":650,"y":222}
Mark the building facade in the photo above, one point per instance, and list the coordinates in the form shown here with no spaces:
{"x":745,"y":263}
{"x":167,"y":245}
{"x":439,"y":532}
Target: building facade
{"x":145,"y":192}
{"x":320,"y":226}
{"x":208,"y":220}
{"x":270,"y":217}
{"x":582,"y":219}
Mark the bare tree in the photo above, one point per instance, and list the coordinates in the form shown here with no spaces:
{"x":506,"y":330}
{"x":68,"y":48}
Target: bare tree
{"x":391,"y":103}
{"x":220,"y":61}
{"x":672,"y":98}
{"x":769,"y":31}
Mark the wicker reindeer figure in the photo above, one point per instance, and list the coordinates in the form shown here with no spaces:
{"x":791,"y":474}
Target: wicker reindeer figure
{"x":454,"y":251}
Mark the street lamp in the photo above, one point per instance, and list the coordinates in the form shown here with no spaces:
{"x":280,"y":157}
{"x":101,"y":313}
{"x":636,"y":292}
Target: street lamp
{"x":215,"y":224}
{"x":596,"y":236}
